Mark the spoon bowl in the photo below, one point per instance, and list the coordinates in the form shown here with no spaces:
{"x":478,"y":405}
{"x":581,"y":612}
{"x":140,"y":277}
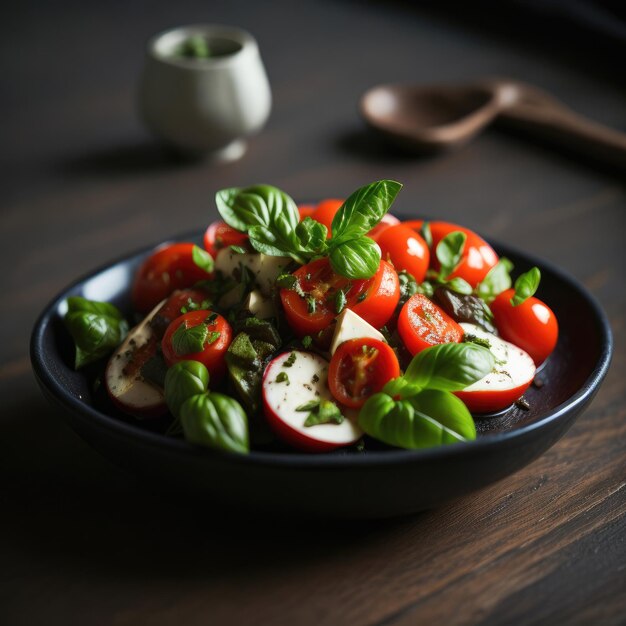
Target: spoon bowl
{"x":436,"y":118}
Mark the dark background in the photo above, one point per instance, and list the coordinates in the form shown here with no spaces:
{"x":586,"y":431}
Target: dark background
{"x":82,"y":183}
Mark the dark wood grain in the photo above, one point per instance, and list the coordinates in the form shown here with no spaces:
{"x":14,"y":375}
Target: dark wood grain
{"x":84,"y":542}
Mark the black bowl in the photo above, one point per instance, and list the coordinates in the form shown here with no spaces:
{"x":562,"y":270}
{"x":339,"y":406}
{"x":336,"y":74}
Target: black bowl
{"x":377,"y":483}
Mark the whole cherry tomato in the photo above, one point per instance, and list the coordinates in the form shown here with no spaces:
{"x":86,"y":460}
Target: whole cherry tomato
{"x":387,"y":221}
{"x":478,"y":256}
{"x":220,"y":235}
{"x":531,"y":325}
{"x":169,"y":268}
{"x":213,"y":353}
{"x":422,"y":324}
{"x":360,"y":368}
{"x":405,"y":249}
{"x":374,"y":299}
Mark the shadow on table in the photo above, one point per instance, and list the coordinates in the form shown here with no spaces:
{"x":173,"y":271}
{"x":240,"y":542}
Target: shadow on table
{"x":126,"y":160}
{"x":68,"y":508}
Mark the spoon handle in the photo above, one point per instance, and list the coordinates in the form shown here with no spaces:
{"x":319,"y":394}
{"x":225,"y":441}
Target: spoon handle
{"x":549,"y":119}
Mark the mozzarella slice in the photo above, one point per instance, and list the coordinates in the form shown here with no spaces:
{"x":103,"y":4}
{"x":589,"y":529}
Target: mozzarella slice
{"x":352,"y":326}
{"x":513,"y":368}
{"x":259,"y":305}
{"x":307,"y":381}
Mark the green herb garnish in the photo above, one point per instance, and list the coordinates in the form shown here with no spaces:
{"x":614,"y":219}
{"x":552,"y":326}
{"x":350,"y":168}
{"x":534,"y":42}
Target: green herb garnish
{"x":291,"y":359}
{"x":190,"y":340}
{"x":282,"y":378}
{"x":526,"y":286}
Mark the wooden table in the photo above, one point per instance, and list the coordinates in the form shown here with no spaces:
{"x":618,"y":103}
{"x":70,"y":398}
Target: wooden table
{"x":85,"y":543}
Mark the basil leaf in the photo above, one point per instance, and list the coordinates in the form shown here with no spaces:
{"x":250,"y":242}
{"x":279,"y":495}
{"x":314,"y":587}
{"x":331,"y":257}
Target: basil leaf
{"x":258,"y":205}
{"x":429,"y":419}
{"x":215,"y":421}
{"x":449,"y":366}
{"x":189,"y":340}
{"x":459,"y":285}
{"x":182,"y":381}
{"x":449,"y":252}
{"x":357,"y":258}
{"x":96,"y":328}
{"x":426,"y":235}
{"x":497,"y":280}
{"x":364,"y":209}
{"x":526,"y":286}
{"x":238,"y":249}
{"x":311,"y":234}
{"x":465,"y":308}
{"x":202,"y":259}
{"x":276,"y":241}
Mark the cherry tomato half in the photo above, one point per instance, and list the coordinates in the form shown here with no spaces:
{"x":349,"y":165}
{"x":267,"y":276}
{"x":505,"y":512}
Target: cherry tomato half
{"x":169,"y":268}
{"x":220,"y":235}
{"x":531,"y":325}
{"x":405,"y":249}
{"x":478,"y":256}
{"x":360,"y":368}
{"x":214,"y":352}
{"x":374,"y":299}
{"x":422,"y":324}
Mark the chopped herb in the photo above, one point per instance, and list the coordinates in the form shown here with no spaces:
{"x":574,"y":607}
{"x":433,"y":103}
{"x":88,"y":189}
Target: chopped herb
{"x":308,"y":406}
{"x":189,"y":340}
{"x":307,"y":341}
{"x":202,"y":259}
{"x":480,"y":341}
{"x":291,"y":359}
{"x":311,"y":304}
{"x":340,"y":301}
{"x":213,"y":336}
{"x":237,"y":249}
{"x":282,"y":378}
{"x":326,"y":412}
{"x":315,"y":378}
{"x":361,"y":297}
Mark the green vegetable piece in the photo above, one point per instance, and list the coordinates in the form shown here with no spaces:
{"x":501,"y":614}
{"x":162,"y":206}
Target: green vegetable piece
{"x":498,"y":279}
{"x":326,"y":412}
{"x":526,"y":286}
{"x":430,"y":418}
{"x":190,"y":340}
{"x":449,"y":252}
{"x":449,"y":366}
{"x":215,"y":421}
{"x":202,"y":259}
{"x":96,"y":328}
{"x":308,"y":406}
{"x":182,"y":381}
{"x":282,"y":378}
{"x":479,"y":341}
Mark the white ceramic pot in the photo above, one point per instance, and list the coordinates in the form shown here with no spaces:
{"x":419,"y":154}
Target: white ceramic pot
{"x":205,"y":105}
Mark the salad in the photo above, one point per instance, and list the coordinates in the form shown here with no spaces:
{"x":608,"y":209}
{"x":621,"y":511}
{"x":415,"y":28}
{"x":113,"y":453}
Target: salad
{"x":322,"y":326}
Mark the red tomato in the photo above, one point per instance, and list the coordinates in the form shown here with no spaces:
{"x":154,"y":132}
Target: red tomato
{"x":213,"y":354}
{"x":387,"y":221}
{"x":360,"y":368}
{"x":325,"y":212}
{"x":169,"y":268}
{"x":405,"y":249}
{"x":531,"y":325}
{"x":220,"y":235}
{"x":305,"y":210}
{"x":422,"y":324}
{"x":374,"y":299}
{"x":478,"y":256}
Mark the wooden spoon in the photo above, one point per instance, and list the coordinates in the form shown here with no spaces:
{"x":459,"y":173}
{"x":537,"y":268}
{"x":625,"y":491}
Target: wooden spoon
{"x":433,"y":118}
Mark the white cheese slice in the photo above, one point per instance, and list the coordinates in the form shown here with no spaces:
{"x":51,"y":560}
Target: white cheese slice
{"x":265,"y":268}
{"x":352,"y":326}
{"x":259,"y":305}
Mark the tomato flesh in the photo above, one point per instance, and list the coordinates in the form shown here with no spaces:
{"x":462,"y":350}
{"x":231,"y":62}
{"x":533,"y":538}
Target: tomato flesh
{"x":422,"y":324}
{"x":213,"y":355}
{"x":478,"y":256}
{"x":405,"y":249}
{"x":220,"y":235}
{"x":360,"y":368}
{"x":374,"y":299}
{"x":531,"y":325}
{"x":169,"y":268}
